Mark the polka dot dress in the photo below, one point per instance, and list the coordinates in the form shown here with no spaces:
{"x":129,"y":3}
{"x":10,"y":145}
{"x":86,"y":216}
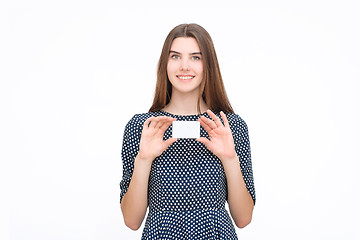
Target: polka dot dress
{"x":187,"y":184}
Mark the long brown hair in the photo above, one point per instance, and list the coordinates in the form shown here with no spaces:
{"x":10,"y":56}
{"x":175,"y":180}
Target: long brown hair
{"x":212,"y":87}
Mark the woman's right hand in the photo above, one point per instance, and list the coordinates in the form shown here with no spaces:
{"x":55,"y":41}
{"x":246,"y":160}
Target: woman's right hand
{"x":151,"y":142}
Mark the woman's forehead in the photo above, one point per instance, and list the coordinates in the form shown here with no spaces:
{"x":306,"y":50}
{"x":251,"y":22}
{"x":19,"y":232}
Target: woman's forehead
{"x":185,"y":45}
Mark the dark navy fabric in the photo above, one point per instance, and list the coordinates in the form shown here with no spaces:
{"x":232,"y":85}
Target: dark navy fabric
{"x":187,"y":185}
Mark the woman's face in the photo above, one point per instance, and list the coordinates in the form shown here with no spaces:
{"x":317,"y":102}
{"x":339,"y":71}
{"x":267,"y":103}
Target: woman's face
{"x":185,"y":65}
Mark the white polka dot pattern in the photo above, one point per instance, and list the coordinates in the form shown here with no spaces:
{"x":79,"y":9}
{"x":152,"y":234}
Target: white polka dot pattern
{"x":187,"y":184}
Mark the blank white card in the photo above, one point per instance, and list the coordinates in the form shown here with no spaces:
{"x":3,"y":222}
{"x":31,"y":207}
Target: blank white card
{"x":186,"y":129}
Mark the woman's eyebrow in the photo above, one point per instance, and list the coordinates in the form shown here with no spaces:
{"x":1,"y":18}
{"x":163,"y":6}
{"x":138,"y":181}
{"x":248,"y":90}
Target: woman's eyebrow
{"x":194,"y":53}
{"x":171,"y":51}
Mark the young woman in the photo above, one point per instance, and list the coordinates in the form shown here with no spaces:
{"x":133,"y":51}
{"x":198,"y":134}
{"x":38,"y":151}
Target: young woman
{"x":186,"y":182}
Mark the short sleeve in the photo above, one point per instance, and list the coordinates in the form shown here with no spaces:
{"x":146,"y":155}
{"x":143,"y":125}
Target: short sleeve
{"x":242,"y":148}
{"x":130,"y":148}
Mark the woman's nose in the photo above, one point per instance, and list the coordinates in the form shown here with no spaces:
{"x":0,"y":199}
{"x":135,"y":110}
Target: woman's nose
{"x":184,"y":65}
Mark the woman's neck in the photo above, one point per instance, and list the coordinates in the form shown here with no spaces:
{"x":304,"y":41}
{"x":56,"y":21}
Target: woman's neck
{"x":185,"y":104}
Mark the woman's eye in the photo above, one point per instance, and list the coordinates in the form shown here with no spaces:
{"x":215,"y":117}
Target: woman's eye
{"x":175,"y":56}
{"x":196,"y":58}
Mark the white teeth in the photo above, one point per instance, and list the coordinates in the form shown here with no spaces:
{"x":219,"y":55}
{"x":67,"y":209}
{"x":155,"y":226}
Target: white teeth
{"x":185,"y":78}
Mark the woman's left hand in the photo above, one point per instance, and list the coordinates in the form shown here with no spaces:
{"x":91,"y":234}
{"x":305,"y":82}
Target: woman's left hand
{"x":221,"y":141}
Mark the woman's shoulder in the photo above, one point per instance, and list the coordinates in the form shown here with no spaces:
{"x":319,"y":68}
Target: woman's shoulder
{"x":236,"y":122}
{"x":235,"y":118}
{"x":137,"y":120}
{"x":139,"y":117}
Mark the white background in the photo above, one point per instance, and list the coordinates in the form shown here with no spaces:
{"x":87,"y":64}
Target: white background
{"x":74,"y":72}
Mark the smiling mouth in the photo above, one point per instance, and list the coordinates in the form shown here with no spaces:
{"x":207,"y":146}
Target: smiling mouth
{"x":187,"y":77}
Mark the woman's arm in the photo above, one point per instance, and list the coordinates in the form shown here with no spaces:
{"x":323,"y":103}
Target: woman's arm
{"x":221,"y":143}
{"x":241,"y":204}
{"x":134,"y":202}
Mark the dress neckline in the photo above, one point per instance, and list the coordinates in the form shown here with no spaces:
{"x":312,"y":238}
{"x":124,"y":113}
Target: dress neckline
{"x":185,"y":115}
